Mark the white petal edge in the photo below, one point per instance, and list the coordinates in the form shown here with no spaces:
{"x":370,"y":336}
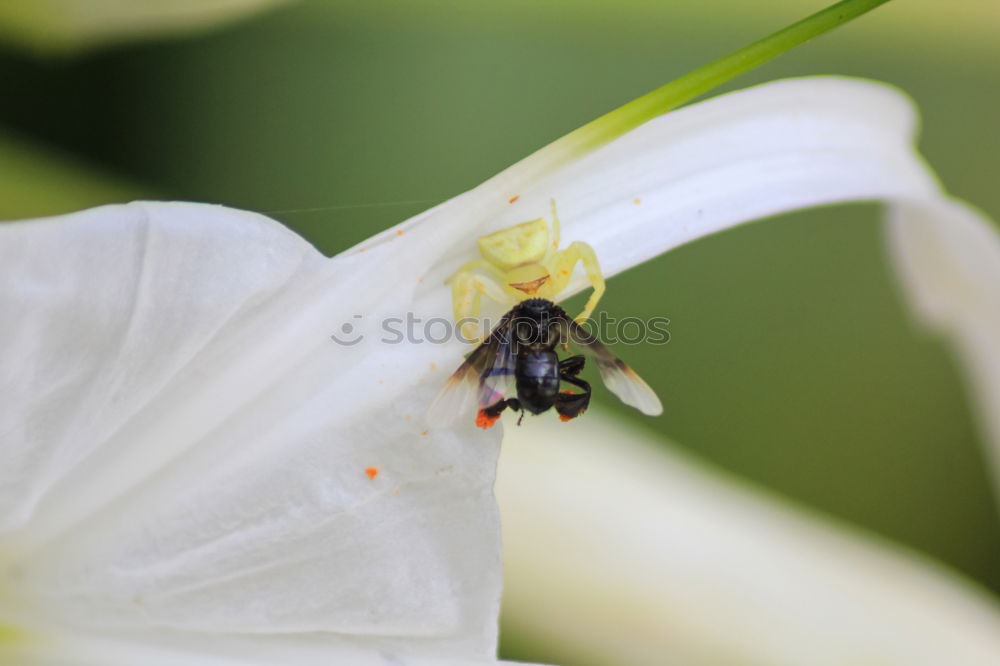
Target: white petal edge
{"x":623,"y":552}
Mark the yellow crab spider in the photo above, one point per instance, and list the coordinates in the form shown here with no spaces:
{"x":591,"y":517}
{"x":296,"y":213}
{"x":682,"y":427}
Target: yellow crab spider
{"x":521,"y":262}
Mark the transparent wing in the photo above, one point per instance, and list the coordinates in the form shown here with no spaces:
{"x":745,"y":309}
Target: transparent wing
{"x":477,"y":381}
{"x":618,"y":377}
{"x":497,"y":381}
{"x":458,"y":395}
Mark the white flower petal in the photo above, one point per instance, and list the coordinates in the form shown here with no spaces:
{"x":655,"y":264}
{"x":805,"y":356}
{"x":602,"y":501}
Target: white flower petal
{"x":731,"y":159}
{"x":103,"y":308}
{"x":93,"y":650}
{"x":948,"y":256}
{"x":191,"y":450}
{"x":621,"y":552}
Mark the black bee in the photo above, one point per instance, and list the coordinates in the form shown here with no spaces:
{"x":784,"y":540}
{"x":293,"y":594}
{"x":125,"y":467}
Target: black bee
{"x":516,"y":366}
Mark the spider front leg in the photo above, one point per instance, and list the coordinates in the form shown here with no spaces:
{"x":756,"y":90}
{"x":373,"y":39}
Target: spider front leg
{"x":563,"y":268}
{"x":555,"y":225}
{"x":467,"y":289}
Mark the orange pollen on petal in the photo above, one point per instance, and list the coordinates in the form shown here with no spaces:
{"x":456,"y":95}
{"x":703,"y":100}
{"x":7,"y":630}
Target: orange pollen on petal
{"x":485,"y":421}
{"x":372,"y":472}
{"x":400,"y":232}
{"x":530,"y":287}
{"x":514,"y":198}
{"x":637,"y":201}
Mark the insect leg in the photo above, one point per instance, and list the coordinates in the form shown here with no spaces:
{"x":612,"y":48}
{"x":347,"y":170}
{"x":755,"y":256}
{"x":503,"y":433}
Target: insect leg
{"x":571,"y":405}
{"x":571,"y":367}
{"x":487,"y":416}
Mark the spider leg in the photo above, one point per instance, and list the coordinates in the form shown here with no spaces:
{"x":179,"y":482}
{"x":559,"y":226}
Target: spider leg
{"x":555,"y":225}
{"x":566,"y":260}
{"x":467,"y":289}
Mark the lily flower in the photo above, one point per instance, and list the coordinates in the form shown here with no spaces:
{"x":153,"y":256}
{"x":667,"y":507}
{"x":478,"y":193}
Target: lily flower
{"x":200,"y":466}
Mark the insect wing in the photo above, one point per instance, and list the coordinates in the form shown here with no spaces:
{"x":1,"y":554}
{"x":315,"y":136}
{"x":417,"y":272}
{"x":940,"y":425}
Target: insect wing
{"x":458,"y":395}
{"x":479,"y":379}
{"x":618,"y":377}
{"x":497,"y":381}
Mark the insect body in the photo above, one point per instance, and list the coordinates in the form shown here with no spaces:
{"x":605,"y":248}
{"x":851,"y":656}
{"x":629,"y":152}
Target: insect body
{"x":517,"y":367}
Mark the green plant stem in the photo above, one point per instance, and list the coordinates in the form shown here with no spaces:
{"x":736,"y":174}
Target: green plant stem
{"x":665,"y":98}
{"x":704,"y":79}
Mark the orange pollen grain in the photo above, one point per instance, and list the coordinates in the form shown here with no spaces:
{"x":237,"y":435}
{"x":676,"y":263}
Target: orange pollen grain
{"x":399,"y":232}
{"x":372,"y":472}
{"x":637,"y":201}
{"x":484,"y":420}
{"x":564,"y":418}
{"x":514,"y":198}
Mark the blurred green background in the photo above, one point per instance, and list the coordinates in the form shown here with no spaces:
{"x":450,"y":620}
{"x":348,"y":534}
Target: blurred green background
{"x":793,"y":361}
